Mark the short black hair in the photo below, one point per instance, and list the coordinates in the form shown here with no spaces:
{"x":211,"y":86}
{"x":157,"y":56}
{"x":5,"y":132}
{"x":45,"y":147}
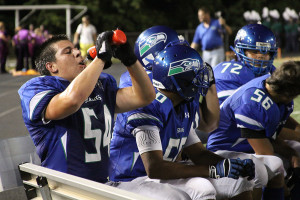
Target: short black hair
{"x":47,"y":53}
{"x":285,"y":79}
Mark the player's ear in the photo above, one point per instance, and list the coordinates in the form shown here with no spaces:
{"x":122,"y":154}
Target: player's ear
{"x":52,"y":67}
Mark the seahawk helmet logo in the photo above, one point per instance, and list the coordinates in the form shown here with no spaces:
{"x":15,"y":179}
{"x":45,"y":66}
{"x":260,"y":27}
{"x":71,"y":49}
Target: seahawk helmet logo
{"x":150,"y":41}
{"x":184,"y":65}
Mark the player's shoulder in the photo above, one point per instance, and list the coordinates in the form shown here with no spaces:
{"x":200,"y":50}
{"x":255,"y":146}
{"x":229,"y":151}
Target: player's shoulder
{"x":159,"y":107}
{"x":255,"y":93}
{"x":45,"y":81}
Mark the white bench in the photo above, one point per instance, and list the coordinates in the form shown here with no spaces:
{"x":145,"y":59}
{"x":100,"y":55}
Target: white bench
{"x":48,"y":184}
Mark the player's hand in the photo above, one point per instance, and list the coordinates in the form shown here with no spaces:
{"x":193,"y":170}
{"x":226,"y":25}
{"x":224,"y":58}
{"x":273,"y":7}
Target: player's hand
{"x":104,"y":50}
{"x":125,"y":54}
{"x":230,"y":168}
{"x":210,"y":74}
{"x":248,"y":169}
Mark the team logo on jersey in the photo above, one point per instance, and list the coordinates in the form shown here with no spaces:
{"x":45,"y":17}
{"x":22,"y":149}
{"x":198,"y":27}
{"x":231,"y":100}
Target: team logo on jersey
{"x":96,"y":98}
{"x":151,"y":41}
{"x":184,"y":65}
{"x":180,"y":130}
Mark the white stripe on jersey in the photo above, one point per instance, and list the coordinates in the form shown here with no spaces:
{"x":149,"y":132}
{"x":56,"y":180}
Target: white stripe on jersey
{"x":35,"y":100}
{"x":64,"y":142}
{"x":225,"y":93}
{"x":248,"y":121}
{"x":142,"y":116}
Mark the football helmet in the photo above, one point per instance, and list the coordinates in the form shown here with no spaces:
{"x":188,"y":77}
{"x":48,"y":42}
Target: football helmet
{"x":179,"y":68}
{"x":255,"y":37}
{"x":151,"y":41}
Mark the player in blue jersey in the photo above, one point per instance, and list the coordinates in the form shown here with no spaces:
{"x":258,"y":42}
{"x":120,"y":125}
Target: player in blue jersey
{"x":69,"y":111}
{"x":250,"y":121}
{"x":255,"y":49}
{"x":147,"y":141}
{"x":149,"y":43}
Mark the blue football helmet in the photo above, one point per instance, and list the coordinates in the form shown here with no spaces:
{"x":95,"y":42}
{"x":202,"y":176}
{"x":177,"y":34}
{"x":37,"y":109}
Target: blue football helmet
{"x":151,"y":41}
{"x":256,"y":37}
{"x":179,"y":68}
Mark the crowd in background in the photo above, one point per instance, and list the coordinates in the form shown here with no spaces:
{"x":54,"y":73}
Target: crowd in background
{"x":24,"y":42}
{"x":286,"y":27}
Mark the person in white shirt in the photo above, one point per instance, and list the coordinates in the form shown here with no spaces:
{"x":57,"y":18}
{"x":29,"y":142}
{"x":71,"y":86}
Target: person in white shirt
{"x":85,"y":35}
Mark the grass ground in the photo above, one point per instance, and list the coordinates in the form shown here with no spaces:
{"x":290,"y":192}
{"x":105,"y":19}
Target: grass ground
{"x":296,"y":113}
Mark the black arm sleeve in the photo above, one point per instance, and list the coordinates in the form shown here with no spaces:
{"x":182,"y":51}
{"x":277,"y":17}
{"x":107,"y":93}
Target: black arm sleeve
{"x":249,"y":133}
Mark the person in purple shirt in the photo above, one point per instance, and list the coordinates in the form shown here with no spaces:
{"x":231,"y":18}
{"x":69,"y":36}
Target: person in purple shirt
{"x":37,"y":38}
{"x":21,"y":43}
{"x":3,"y":47}
{"x":208,"y":35}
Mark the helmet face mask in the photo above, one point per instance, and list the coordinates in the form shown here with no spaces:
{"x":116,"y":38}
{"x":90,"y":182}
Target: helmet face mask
{"x":180,"y":69}
{"x":256,"y":37}
{"x":151,"y":41}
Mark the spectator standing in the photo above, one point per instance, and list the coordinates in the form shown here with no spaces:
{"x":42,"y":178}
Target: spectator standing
{"x":45,"y":32}
{"x":31,"y":44}
{"x":39,"y":38}
{"x":277,"y":28}
{"x":3,"y":47}
{"x":21,"y":40}
{"x":208,"y":35}
{"x":291,"y":30}
{"x":85,"y":35}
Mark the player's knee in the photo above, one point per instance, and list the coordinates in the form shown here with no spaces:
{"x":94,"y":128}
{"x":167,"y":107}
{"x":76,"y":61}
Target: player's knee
{"x":261,"y":174}
{"x":201,"y":188}
{"x":228,"y":188}
{"x":240,"y":186}
{"x":177,"y":195}
{"x":276,"y":165}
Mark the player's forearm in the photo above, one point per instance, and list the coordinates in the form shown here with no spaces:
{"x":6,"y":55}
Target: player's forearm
{"x":142,"y":87}
{"x":291,"y":123}
{"x":261,"y":146}
{"x":289,"y":134}
{"x":282,"y":148}
{"x":172,"y":170}
{"x":83,"y":85}
{"x":210,"y":111}
{"x":201,"y":156}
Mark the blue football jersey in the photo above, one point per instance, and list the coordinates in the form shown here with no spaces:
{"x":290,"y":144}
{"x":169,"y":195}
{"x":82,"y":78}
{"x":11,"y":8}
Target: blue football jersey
{"x":174,"y":129}
{"x":79,"y":143}
{"x":249,"y":107}
{"x":231,"y":75}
